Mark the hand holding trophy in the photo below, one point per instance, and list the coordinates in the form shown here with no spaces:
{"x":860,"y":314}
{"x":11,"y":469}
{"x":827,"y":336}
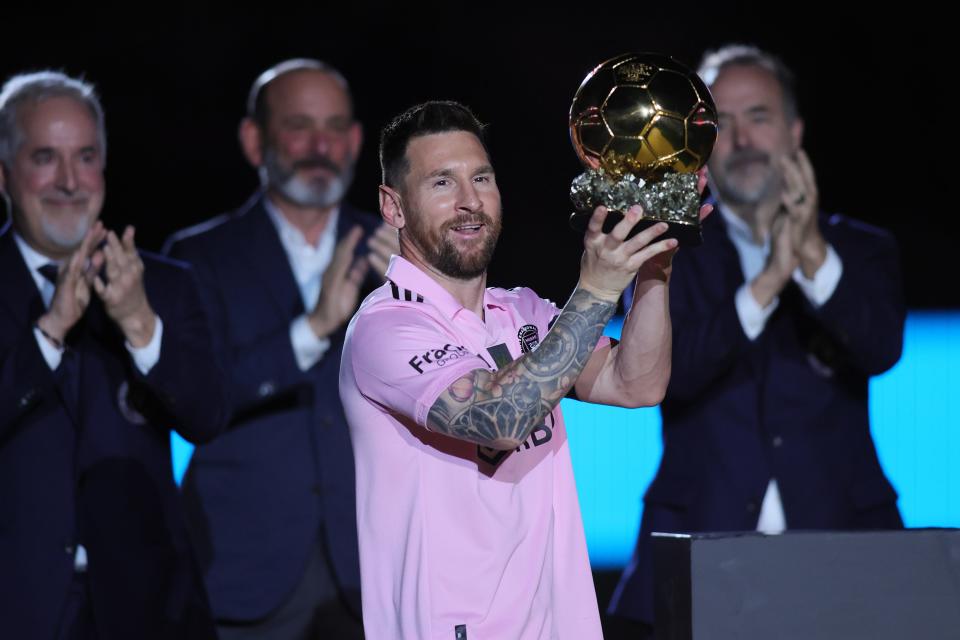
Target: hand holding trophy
{"x":642,"y":124}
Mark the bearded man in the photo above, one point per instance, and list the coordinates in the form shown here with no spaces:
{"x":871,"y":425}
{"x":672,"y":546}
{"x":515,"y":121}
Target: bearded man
{"x":467,"y":508}
{"x":780,"y":318}
{"x":271,"y":503}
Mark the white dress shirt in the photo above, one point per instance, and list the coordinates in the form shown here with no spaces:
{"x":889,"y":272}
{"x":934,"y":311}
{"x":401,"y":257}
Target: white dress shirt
{"x":753,"y":319}
{"x":308,"y":263}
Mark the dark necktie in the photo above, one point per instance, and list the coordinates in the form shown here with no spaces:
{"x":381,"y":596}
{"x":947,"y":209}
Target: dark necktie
{"x":49,"y":272}
{"x":49,"y":288}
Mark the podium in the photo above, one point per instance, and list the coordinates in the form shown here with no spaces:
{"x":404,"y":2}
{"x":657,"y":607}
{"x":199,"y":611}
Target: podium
{"x":808,"y":585}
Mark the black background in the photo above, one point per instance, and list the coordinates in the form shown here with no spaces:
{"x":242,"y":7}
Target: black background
{"x":874,"y":92}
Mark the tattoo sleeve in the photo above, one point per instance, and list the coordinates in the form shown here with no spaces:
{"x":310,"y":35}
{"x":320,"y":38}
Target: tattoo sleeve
{"x":499,"y":409}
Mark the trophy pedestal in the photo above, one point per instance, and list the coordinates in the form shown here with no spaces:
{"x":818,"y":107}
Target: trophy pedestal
{"x":688,"y":235}
{"x":673,"y":199}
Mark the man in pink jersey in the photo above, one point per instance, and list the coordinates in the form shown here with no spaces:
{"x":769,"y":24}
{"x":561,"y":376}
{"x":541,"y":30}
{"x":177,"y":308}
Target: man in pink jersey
{"x":467,"y":509}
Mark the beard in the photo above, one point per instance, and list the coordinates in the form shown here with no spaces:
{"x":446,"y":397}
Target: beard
{"x":66,"y":230}
{"x":735,"y":185}
{"x":66,"y":236}
{"x":442,"y":253}
{"x":321,"y":192}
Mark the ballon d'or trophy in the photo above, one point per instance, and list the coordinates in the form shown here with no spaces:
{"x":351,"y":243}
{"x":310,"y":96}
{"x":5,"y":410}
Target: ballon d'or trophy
{"x":642,"y":124}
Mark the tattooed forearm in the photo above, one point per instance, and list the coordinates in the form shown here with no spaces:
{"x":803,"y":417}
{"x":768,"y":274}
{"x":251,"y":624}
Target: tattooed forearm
{"x":500,"y":408}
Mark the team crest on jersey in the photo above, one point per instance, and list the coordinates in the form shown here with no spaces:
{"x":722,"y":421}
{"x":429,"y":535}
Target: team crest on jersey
{"x":529,"y":337}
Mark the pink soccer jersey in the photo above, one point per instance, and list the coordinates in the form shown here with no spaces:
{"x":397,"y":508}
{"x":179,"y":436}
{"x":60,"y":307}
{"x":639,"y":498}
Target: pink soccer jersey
{"x":455,"y":537}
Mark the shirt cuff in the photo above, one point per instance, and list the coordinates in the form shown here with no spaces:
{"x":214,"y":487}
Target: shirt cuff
{"x":80,"y":561}
{"x":753,"y":317}
{"x":307,"y":347}
{"x":819,"y":289}
{"x":51,"y":354}
{"x":147,"y":356}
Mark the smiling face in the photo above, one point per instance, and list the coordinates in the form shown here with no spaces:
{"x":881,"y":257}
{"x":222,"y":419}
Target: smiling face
{"x":755,"y":133}
{"x":311,"y":141}
{"x":451,"y":204}
{"x":55,"y":180}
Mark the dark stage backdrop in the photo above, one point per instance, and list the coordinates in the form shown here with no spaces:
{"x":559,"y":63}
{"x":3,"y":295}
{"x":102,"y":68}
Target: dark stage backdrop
{"x":874,"y":91}
{"x":173,"y":79}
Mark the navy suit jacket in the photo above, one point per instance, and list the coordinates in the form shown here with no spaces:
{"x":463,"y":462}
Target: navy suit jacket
{"x":94,"y":467}
{"x":790,"y":405}
{"x":282,"y":476}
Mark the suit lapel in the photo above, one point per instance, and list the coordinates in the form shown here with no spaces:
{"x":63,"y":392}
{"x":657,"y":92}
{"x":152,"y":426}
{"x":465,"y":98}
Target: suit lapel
{"x":346,"y":221}
{"x":21,"y":296}
{"x":20,"y":293}
{"x":718,"y":249}
{"x":268,"y":260}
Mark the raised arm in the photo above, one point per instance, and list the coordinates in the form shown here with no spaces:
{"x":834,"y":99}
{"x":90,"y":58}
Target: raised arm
{"x":500,"y":408}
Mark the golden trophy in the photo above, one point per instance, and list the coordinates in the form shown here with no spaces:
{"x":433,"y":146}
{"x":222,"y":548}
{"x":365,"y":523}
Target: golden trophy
{"x":642,"y":124}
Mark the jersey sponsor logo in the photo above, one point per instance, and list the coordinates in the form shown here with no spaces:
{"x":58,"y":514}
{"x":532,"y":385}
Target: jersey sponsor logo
{"x":529,"y":337}
{"x":438,"y":357}
{"x":539,"y":436}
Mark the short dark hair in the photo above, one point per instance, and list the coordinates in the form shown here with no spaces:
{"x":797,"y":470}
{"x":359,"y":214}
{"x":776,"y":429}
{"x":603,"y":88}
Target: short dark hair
{"x":257,"y":108}
{"x":751,"y":56}
{"x":436,"y":116}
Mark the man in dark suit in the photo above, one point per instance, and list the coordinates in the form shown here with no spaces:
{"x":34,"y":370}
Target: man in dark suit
{"x":272,"y":503}
{"x":779,"y":320}
{"x":102,"y":351}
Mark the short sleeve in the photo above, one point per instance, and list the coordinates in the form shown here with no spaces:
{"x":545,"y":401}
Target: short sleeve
{"x":403,"y":360}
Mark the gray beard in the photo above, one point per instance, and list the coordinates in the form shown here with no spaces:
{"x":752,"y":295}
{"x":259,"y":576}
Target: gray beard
{"x":65,"y":238}
{"x":729,"y":191}
{"x":302,"y":192}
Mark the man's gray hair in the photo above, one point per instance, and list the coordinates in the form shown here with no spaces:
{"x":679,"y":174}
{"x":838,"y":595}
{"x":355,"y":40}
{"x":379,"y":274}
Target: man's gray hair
{"x":749,"y":55}
{"x":33,"y":88}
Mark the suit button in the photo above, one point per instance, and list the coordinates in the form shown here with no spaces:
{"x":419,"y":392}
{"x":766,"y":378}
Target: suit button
{"x":326,"y":421}
{"x":265,"y":389}
{"x":751,"y":507}
{"x":27,"y":398}
{"x":777,"y":441}
{"x":68,"y":549}
{"x":317,"y":489}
